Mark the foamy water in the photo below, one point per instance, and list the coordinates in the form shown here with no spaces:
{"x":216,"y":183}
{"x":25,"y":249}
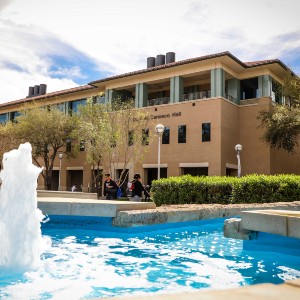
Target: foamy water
{"x":20,"y":230}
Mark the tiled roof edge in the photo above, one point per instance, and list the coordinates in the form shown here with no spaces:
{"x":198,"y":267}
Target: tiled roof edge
{"x":49,"y":95}
{"x":191,"y":60}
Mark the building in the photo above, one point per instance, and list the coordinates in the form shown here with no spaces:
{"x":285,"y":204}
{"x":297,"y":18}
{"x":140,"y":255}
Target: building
{"x":207,"y":104}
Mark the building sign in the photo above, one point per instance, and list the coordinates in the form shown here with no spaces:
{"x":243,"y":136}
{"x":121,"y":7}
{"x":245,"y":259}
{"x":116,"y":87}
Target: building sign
{"x":165,"y":116}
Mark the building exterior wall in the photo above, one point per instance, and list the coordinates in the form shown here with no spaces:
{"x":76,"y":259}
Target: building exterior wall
{"x":232,"y":119}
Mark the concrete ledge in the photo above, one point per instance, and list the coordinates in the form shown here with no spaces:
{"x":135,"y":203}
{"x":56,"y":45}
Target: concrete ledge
{"x":282,"y":222}
{"x":88,"y":207}
{"x":65,"y":194}
{"x":288,"y":290}
{"x":193,"y":212}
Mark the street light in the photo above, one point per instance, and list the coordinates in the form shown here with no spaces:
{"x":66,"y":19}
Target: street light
{"x":238,"y":148}
{"x":159,"y":128}
{"x":60,"y":155}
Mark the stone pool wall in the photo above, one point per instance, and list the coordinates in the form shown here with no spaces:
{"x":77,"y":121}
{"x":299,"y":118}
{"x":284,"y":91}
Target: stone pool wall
{"x":192,"y":212}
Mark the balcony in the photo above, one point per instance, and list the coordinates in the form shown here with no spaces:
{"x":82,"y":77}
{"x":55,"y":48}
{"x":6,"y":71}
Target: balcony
{"x":196,"y":96}
{"x":158,"y":101}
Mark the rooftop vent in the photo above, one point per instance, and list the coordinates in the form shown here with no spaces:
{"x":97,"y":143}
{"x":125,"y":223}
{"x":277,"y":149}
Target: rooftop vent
{"x":37,"y":90}
{"x":170,"y":57}
{"x":160,"y":59}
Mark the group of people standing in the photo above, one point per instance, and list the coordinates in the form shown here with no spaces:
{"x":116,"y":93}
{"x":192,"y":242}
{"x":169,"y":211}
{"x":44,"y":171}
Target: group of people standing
{"x":135,"y":189}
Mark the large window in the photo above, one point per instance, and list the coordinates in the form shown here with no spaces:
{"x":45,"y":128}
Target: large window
{"x":205,"y":132}
{"x":73,"y":105}
{"x":181,"y":134}
{"x":130,"y":137}
{"x":145,"y":137}
{"x":166,"y":135}
{"x":3,"y":118}
{"x":13,"y":115}
{"x":60,"y":106}
{"x":276,"y":92}
{"x":249,"y":88}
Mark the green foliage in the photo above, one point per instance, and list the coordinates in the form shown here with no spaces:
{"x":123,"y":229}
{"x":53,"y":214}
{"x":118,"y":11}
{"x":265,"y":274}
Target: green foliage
{"x":114,"y":134}
{"x":282,"y":127}
{"x":225,"y":190}
{"x":282,"y":123}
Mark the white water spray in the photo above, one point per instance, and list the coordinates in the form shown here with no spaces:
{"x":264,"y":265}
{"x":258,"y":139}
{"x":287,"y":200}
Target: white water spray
{"x":21,"y":242}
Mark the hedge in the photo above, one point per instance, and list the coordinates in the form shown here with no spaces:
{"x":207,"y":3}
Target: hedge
{"x":254,"y":188}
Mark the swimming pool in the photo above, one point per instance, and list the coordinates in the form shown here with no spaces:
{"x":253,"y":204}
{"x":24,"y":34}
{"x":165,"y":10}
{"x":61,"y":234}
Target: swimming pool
{"x":89,"y":258}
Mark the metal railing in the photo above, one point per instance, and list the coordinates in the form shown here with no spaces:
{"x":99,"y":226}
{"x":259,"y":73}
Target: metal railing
{"x":158,"y":101}
{"x":197,"y":95}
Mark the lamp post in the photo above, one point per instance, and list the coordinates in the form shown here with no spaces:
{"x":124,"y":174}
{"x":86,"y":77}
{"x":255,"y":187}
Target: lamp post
{"x":238,"y":148}
{"x":60,"y":155}
{"x":159,"y":128}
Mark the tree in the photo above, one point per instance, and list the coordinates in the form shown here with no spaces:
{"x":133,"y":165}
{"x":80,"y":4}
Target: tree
{"x":115,"y":134}
{"x":8,"y":142}
{"x":282,"y":123}
{"x":47,"y":130}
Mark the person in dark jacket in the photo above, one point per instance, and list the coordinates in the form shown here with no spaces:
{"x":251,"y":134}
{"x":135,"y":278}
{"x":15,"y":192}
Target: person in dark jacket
{"x":110,"y":188}
{"x":147,"y":193}
{"x":138,"y":188}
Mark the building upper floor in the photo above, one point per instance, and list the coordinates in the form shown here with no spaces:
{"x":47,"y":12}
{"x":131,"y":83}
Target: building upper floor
{"x":166,"y":81}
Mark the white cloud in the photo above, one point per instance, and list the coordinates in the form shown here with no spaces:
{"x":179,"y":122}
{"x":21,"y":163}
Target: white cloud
{"x":119,"y":35}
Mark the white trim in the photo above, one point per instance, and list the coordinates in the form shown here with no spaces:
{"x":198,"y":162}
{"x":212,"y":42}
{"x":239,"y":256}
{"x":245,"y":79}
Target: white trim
{"x":231,"y":166}
{"x":153,"y":166}
{"x":96,"y":168}
{"x":55,"y":168}
{"x":194,"y":165}
{"x":74,"y":168}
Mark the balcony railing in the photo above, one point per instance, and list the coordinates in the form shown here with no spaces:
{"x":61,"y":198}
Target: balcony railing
{"x":197,"y":95}
{"x":158,"y":101}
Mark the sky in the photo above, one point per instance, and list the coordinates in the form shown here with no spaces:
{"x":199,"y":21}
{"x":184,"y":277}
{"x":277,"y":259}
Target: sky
{"x":67,"y":43}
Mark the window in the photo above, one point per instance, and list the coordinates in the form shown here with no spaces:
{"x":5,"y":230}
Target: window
{"x":205,"y":132}
{"x":181,"y":134}
{"x":113,"y":141}
{"x":249,"y":88}
{"x":145,"y":137}
{"x":166,"y":136}
{"x":13,"y":115}
{"x":3,"y":118}
{"x":60,"y":107}
{"x":130,"y":137}
{"x":73,"y":105}
{"x":82,"y":145}
{"x":68,"y":145}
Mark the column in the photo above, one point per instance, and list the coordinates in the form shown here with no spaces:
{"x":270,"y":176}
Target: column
{"x":264,"y":86}
{"x":141,"y":95}
{"x":176,"y":89}
{"x":217,"y":77}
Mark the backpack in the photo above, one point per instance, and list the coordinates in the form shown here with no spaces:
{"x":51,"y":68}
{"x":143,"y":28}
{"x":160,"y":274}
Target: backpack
{"x":130,"y":188}
{"x":119,"y":192}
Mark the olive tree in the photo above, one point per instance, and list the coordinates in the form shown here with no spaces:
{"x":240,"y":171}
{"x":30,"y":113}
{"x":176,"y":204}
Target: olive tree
{"x":282,"y":122}
{"x":47,"y":129}
{"x":116,"y":134}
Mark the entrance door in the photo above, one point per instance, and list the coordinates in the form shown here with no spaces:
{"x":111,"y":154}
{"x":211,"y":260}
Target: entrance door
{"x":152,"y":174}
{"x":55,"y":180}
{"x":75,"y":177}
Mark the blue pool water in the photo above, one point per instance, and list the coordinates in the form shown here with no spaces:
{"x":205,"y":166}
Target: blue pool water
{"x":89,"y":258}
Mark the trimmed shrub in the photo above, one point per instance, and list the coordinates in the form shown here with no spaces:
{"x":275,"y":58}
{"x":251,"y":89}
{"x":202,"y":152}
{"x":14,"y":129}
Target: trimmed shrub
{"x":254,"y":188}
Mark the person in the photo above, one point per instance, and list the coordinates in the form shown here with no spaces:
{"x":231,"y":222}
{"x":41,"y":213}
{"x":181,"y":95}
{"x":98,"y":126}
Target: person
{"x":74,"y":188}
{"x":137,"y":189}
{"x":110,"y":188}
{"x":147,"y":193}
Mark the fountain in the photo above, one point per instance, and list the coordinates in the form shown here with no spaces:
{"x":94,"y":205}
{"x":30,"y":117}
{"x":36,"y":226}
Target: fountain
{"x":21,"y":241}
